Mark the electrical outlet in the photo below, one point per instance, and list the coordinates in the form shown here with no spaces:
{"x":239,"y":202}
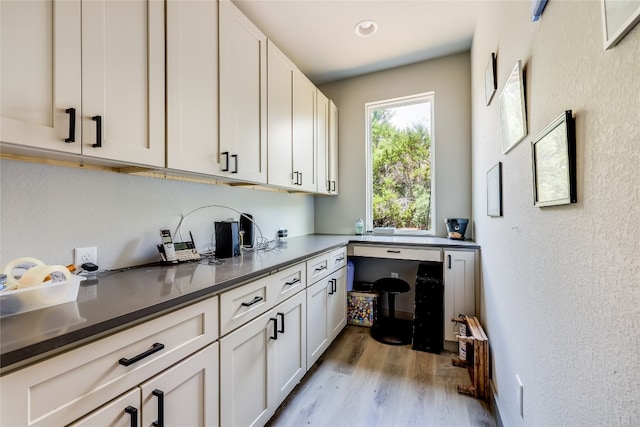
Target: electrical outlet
{"x":84,"y":255}
{"x":394,"y":275}
{"x":520,"y":395}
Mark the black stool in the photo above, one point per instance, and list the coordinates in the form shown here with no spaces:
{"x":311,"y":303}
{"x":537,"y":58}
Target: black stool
{"x":388,"y":329}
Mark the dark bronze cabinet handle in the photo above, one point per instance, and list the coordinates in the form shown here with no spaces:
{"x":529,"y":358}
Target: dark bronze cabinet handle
{"x":282,"y":321}
{"x":235,"y":164}
{"x":133,"y":412}
{"x":333,"y":185}
{"x":98,"y":120}
{"x":154,"y":349}
{"x":226,"y":161}
{"x":275,"y":328}
{"x":254,"y":301}
{"x":160,"y":395}
{"x":449,"y":256}
{"x":72,"y":125}
{"x":324,"y":267}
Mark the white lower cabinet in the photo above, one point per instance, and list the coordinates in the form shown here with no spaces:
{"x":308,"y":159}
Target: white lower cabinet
{"x":326,"y":313}
{"x":185,"y":394}
{"x":84,"y":381}
{"x":459,"y":287}
{"x":261,"y":362}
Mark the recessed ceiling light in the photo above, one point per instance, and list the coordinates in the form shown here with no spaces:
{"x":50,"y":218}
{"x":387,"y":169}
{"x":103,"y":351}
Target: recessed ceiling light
{"x":366,"y":28}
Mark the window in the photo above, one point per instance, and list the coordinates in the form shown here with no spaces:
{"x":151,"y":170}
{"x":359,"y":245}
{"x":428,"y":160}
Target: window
{"x":399,"y":168}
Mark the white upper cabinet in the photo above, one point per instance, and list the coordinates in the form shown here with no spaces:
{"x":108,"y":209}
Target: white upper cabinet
{"x":291,"y":124}
{"x":123,"y":97}
{"x":280,"y":118}
{"x":100,"y":62}
{"x":40,"y":74}
{"x":333,"y":148}
{"x":304,"y":110}
{"x":192,"y":86}
{"x":322,"y":143}
{"x":243,"y":96}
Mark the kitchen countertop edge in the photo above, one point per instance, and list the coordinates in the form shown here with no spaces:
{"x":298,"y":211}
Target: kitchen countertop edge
{"x":318,"y":243}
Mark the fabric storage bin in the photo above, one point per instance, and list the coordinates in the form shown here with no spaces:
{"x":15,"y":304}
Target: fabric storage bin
{"x":361,"y":308}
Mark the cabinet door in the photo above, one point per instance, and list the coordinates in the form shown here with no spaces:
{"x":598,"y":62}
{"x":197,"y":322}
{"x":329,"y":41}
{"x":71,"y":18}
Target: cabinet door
{"x":290,"y":349}
{"x":245,"y":373}
{"x":123,"y":80}
{"x":192,"y":86}
{"x":459,"y":287}
{"x":280,"y":118}
{"x":40,"y":74}
{"x":337,"y":303}
{"x":185,"y":394}
{"x":333,"y":147}
{"x":304,"y":110}
{"x":120,"y":412}
{"x":322,"y":143}
{"x":243,"y":96}
{"x":317,"y":324}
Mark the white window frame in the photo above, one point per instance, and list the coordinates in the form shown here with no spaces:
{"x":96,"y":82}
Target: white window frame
{"x":391,"y":103}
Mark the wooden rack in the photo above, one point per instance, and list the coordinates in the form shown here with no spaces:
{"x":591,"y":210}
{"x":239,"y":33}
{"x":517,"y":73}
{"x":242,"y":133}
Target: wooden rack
{"x":477,"y":360}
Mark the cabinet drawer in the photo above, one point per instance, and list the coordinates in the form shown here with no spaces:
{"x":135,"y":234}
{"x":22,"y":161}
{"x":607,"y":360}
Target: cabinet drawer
{"x":286,"y":283}
{"x":396,"y":252}
{"x":59,"y":390}
{"x":338,"y":259}
{"x":318,"y":267}
{"x":244,"y":303}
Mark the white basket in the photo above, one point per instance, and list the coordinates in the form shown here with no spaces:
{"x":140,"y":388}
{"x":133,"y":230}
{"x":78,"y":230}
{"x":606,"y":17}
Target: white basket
{"x":40,"y":296}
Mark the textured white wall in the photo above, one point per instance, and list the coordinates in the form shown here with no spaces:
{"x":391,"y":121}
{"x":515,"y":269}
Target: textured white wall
{"x":49,"y":210}
{"x":561,"y":285}
{"x":449,"y":78}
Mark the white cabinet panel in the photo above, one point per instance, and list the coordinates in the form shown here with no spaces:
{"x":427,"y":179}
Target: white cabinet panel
{"x":245,"y":373}
{"x":333,"y":148}
{"x":459,"y":287}
{"x":123,"y":81}
{"x":40,"y":76}
{"x":280,"y":118}
{"x":322,"y":144}
{"x":243,"y":96}
{"x":304,"y":110}
{"x":192,"y":86}
{"x":189,"y":392}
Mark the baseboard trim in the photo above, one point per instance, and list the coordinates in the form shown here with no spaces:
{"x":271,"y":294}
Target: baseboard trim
{"x":493,"y":404}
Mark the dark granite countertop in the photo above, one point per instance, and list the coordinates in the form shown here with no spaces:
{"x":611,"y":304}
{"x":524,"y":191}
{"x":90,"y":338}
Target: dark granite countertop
{"x":120,"y":298}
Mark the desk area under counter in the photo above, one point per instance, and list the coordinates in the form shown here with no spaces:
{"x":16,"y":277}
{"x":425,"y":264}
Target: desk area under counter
{"x":380,"y":256}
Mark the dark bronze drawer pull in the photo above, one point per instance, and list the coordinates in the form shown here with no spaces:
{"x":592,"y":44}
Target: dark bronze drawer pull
{"x":293,"y":282}
{"x":154,"y":349}
{"x":254,"y":301}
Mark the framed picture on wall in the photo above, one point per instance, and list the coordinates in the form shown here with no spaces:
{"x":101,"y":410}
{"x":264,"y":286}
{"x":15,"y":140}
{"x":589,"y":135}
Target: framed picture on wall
{"x":618,"y":18}
{"x":513,"y":114}
{"x":494,"y":190}
{"x":554,"y":163}
{"x":490,"y":79}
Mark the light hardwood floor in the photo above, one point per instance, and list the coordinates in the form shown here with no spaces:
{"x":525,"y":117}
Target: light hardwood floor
{"x":361,"y":382}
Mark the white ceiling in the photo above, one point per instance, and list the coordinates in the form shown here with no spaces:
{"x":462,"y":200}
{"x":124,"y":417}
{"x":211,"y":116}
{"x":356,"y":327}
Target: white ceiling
{"x":318,"y":35}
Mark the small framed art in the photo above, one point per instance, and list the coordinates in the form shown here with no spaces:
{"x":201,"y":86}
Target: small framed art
{"x":490,"y":79}
{"x":494,"y":190}
{"x":513,"y":114}
{"x":618,"y":18}
{"x":554,"y":163}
